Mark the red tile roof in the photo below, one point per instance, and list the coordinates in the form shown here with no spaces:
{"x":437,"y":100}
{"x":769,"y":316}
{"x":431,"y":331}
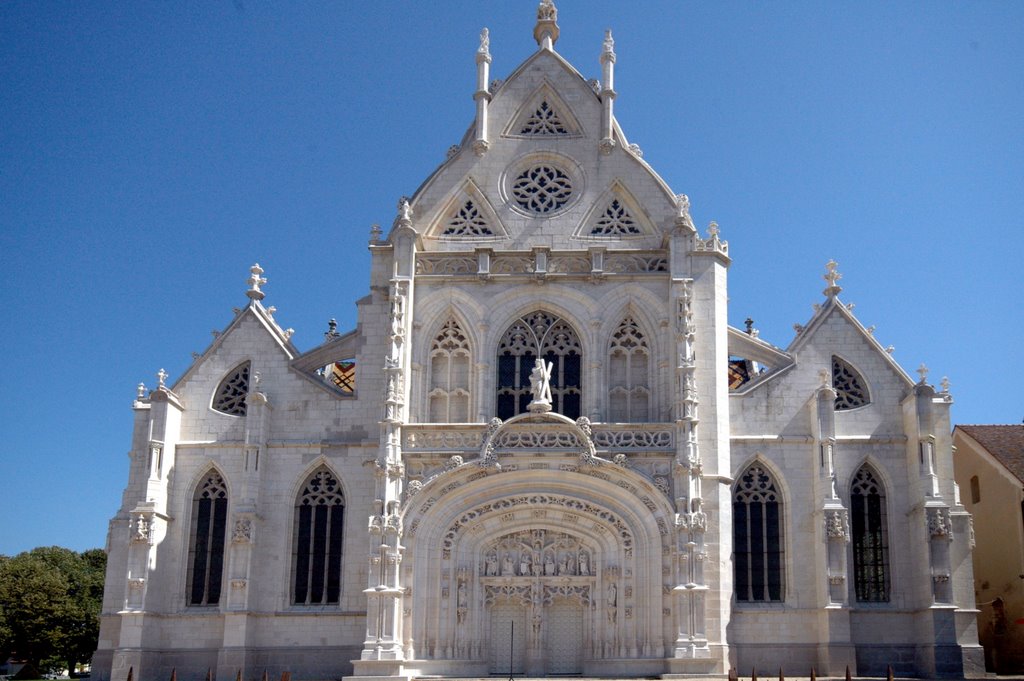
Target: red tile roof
{"x":1005,"y":443}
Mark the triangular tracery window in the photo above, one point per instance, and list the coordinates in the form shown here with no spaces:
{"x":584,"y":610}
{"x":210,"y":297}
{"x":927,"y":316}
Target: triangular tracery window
{"x":230,"y":395}
{"x":544,"y":121}
{"x":615,"y":220}
{"x":539,"y":334}
{"x":449,"y":375}
{"x":849,"y":386}
{"x":629,"y":391}
{"x":467,"y":220}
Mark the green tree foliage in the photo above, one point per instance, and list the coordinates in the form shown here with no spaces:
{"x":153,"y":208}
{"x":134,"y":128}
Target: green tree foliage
{"x":50,"y":600}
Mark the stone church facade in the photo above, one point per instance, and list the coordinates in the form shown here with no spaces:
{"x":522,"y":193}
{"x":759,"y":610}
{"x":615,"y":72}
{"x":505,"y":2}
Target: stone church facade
{"x":388,"y":504}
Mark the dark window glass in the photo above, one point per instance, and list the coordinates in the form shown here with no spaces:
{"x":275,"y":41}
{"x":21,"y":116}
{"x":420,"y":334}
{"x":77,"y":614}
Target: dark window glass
{"x":757,"y":538}
{"x":870,"y":538}
{"x":206,"y":543}
{"x":319,"y":515}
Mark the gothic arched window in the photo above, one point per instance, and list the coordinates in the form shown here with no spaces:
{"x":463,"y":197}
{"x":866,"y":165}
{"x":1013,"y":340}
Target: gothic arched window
{"x":316,"y":557}
{"x":629,"y":392}
{"x":229,"y":397}
{"x":851,"y":391}
{"x":757,"y":537}
{"x":870,"y":537}
{"x":449,"y":375}
{"x":206,"y":540}
{"x":539,"y":334}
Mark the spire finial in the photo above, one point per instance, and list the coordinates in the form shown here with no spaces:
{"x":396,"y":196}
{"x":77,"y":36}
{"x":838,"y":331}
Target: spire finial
{"x":922,"y":371}
{"x":609,"y":43}
{"x":546,"y":30}
{"x":255,"y":281}
{"x":140,"y":391}
{"x":832,"y":276}
{"x":161,"y":376}
{"x":485,"y":42}
{"x":945,"y":384}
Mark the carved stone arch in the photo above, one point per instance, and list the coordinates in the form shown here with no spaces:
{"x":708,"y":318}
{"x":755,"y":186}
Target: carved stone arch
{"x":447,"y":532}
{"x":466,"y":214}
{"x":544,"y":115}
{"x":760,"y":459}
{"x":877,"y":467}
{"x":573,"y":305}
{"x":320,"y":461}
{"x":852,"y":388}
{"x":316,"y":539}
{"x":615,"y":214}
{"x":871,"y":528}
{"x":582,"y":435}
{"x":201,"y":471}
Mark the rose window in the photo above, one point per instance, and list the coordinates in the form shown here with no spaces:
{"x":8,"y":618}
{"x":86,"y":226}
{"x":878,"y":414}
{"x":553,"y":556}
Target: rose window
{"x":542,"y":189}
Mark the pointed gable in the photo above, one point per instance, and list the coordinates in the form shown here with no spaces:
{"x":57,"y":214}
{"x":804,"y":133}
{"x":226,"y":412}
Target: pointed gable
{"x":544,"y":114}
{"x":467,"y":215}
{"x":616,"y":214}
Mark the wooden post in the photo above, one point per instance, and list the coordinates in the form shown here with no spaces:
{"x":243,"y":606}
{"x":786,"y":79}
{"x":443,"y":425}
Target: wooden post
{"x":286,"y":676}
{"x":130,"y":673}
{"x":814,"y":675}
{"x":888,"y":673}
{"x":174,"y":674}
{"x":781,"y":677}
{"x":753,"y":674}
{"x":848,"y":673}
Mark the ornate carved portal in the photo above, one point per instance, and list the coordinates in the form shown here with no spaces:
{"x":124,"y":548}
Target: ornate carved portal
{"x":543,"y":582}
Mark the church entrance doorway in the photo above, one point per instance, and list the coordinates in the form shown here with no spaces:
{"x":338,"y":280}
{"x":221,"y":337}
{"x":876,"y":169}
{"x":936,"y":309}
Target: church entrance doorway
{"x":508,"y":638}
{"x":563,"y":640}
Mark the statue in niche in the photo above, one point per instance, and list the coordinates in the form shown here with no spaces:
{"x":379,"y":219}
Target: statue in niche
{"x":491,"y":567}
{"x":460,"y":598}
{"x":584,"y":563}
{"x":540,"y":386}
{"x":549,"y":566}
{"x":524,"y":564}
{"x":611,"y":598}
{"x":563,"y":566}
{"x":538,"y":567}
{"x":508,"y":567}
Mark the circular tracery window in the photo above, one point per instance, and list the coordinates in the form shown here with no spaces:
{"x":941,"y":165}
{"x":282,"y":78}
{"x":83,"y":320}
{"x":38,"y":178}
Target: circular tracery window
{"x":542,"y":189}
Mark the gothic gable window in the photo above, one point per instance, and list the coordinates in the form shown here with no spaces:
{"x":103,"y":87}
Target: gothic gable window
{"x":467,"y":220}
{"x":851,"y":390}
{"x":757,"y":537}
{"x":544,"y":121}
{"x":539,"y":334}
{"x":449,"y":375}
{"x":316,"y":553}
{"x":629,"y":391}
{"x":615,"y":220}
{"x":206,"y":540}
{"x":229,"y":398}
{"x":870,"y":538}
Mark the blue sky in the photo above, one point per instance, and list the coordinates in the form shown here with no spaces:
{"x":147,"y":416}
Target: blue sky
{"x":150,"y":152}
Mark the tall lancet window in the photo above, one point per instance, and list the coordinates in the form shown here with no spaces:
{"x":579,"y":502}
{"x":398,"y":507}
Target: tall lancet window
{"x":449,"y":375}
{"x":757,"y":537}
{"x":629,"y":378}
{"x":316,"y":557}
{"x":206,"y":541}
{"x":870,"y":537}
{"x":539,"y":334}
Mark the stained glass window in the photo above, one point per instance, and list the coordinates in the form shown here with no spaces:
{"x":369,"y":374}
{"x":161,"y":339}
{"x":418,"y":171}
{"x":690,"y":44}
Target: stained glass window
{"x":316,"y":559}
{"x":757,"y":537}
{"x":206,"y":541}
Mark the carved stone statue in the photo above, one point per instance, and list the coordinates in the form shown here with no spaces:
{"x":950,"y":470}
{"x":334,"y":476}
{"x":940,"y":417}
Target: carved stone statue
{"x":508,"y":567}
{"x":584,"y":564}
{"x":540,"y":386}
{"x":491,"y":568}
{"x":524,"y":564}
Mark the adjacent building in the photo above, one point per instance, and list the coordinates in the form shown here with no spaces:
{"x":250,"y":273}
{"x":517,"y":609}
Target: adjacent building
{"x":406,"y":499}
{"x":989,"y":464}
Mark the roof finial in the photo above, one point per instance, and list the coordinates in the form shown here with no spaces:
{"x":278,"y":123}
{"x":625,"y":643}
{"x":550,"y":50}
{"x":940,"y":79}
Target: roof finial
{"x":609,"y":43}
{"x":546,"y":30}
{"x":161,"y":376}
{"x":922,"y":371}
{"x":832,"y":276}
{"x":485,"y":42}
{"x":255,"y":281}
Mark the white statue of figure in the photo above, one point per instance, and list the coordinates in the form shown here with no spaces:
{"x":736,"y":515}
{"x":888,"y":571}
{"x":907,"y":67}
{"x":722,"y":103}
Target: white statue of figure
{"x":492,"y":565}
{"x":461,"y":595}
{"x":508,"y":567}
{"x":549,"y":566}
{"x":540,"y":386}
{"x":524,"y":564}
{"x":584,"y":564}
